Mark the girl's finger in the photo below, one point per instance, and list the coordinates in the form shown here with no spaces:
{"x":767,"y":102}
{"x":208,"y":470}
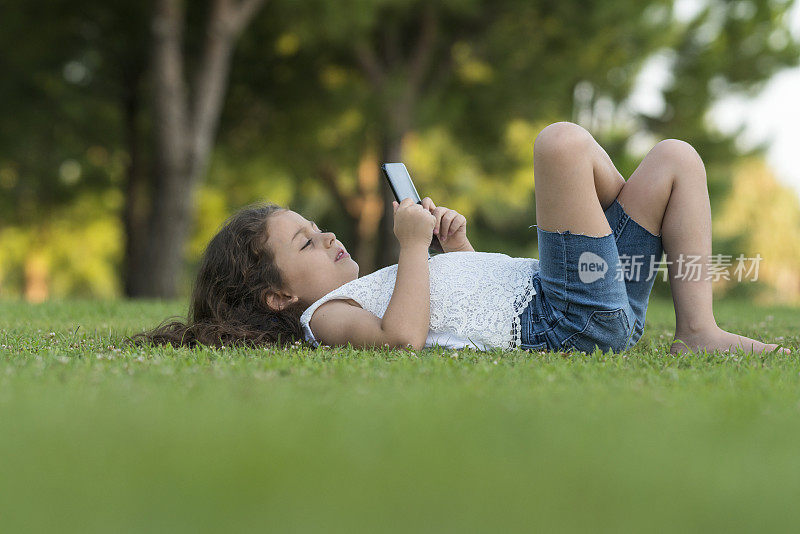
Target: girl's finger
{"x":459,"y":222}
{"x":438,"y":212}
{"x":447,"y":219}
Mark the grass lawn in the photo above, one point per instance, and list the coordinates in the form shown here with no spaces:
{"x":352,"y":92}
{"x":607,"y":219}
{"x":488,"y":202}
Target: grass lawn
{"x":163,"y":440}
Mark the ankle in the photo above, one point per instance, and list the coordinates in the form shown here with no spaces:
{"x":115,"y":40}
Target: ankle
{"x":696,"y":330}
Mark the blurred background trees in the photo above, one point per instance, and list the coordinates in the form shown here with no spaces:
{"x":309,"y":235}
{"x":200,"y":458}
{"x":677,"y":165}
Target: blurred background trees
{"x":130,"y":131}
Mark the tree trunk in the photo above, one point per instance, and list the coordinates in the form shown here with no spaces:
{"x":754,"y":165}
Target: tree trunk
{"x":184,"y":130}
{"x":134,"y":215}
{"x":37,"y":265}
{"x":37,"y":275}
{"x":167,"y":231}
{"x":370,"y":212}
{"x":397,"y":111}
{"x":170,"y":211}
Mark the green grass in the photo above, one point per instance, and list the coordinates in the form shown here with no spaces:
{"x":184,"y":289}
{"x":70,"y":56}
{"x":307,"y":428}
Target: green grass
{"x":97,"y":439}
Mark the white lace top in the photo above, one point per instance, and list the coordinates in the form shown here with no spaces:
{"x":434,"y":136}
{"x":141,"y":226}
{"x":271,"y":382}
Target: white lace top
{"x":476,"y":298}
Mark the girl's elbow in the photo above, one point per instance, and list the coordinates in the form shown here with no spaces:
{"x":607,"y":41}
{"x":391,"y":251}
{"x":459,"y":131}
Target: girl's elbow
{"x":418,"y":344}
{"x":411,"y":344}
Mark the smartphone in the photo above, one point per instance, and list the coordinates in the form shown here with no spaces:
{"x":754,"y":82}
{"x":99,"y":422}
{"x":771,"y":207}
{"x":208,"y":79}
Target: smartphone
{"x":403,"y":188}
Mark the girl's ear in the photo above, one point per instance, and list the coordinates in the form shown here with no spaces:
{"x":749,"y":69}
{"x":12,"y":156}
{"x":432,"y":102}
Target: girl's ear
{"x":277,"y":300}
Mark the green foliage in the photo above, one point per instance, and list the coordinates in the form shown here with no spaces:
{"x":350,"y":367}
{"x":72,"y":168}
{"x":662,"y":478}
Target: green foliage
{"x":760,"y":217}
{"x":494,"y":65}
{"x":61,"y":129}
{"x":302,"y":99}
{"x":79,"y":249}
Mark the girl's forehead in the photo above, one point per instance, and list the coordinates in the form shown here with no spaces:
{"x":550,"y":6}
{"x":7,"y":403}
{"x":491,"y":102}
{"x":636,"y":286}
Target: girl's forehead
{"x":288,"y":222}
{"x":294,"y":218}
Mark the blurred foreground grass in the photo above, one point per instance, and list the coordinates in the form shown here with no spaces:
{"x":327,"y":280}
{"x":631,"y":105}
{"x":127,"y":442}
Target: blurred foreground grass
{"x":97,"y":439}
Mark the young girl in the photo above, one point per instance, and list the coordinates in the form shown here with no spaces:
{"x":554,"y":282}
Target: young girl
{"x":272,"y":277}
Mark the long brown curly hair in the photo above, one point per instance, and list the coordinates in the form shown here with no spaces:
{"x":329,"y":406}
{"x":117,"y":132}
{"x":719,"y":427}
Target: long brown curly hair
{"x":228,"y":305}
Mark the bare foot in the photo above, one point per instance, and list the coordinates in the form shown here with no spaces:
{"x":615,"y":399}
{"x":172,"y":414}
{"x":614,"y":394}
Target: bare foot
{"x":721,"y":340}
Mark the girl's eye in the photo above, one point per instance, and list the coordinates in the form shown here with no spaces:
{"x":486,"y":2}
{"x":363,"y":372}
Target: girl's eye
{"x":309,"y":241}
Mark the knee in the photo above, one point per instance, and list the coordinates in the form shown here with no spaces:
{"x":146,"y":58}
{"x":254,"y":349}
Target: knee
{"x":679,"y":156}
{"x":561,"y":140}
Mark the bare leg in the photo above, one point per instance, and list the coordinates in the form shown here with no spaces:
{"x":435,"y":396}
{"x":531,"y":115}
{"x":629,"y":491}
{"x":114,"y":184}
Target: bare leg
{"x":668,"y":194}
{"x":572,"y":172}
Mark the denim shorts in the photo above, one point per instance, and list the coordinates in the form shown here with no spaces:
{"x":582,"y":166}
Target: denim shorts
{"x":592,"y":292}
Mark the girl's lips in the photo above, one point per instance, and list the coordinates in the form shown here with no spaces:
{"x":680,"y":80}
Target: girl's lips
{"x":344,"y":254}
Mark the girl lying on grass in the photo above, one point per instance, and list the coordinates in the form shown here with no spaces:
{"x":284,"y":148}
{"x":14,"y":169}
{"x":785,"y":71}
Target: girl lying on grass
{"x":272,"y":277}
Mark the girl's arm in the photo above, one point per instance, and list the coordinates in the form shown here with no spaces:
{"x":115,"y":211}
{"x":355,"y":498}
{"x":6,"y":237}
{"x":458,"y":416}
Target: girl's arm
{"x":407,"y":318}
{"x":408,"y":315}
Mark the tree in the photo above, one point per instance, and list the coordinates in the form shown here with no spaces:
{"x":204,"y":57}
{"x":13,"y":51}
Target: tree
{"x":87,"y":63}
{"x":184,"y":128}
{"x":754,"y":221}
{"x":728,"y":47}
{"x":344,"y":85}
{"x":323,"y":92}
{"x":59,"y":133}
{"x":351,"y":82}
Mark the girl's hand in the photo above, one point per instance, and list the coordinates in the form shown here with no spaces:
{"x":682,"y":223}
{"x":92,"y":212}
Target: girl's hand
{"x":450,"y":228}
{"x":413,"y":224}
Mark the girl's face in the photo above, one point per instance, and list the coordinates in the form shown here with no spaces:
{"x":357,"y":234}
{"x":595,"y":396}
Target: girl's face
{"x":306,"y":258}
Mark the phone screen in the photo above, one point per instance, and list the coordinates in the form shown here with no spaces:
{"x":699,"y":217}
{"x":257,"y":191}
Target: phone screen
{"x":400,"y":182}
{"x":403,"y":188}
